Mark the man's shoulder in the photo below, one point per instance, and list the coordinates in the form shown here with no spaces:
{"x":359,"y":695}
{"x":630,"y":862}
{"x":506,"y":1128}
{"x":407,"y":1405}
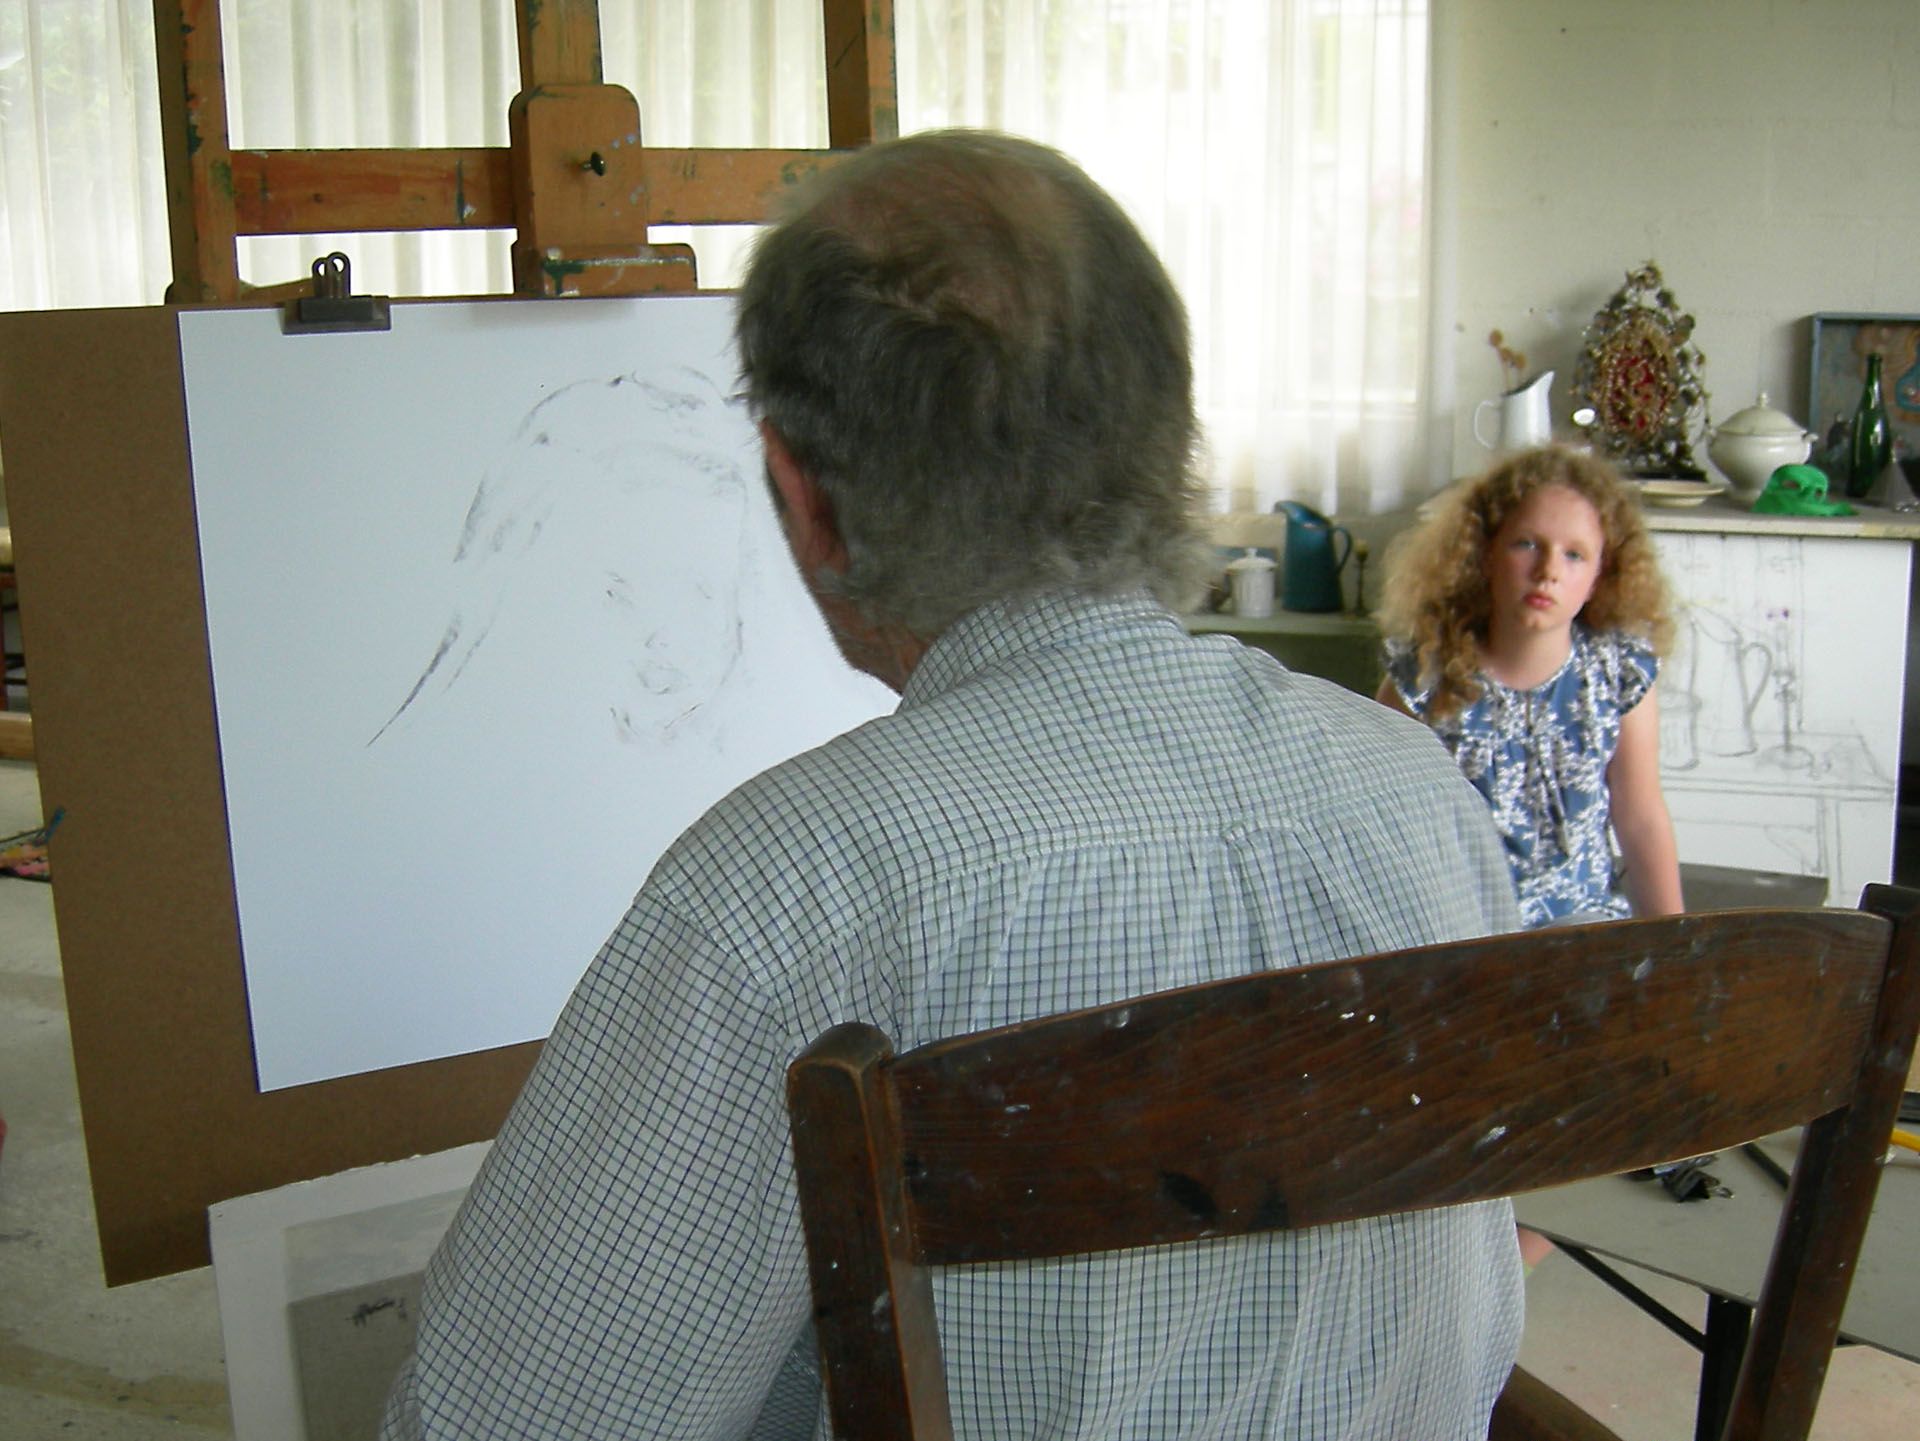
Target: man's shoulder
{"x":792,"y":816}
{"x":1359,"y":730}
{"x":980,"y":771}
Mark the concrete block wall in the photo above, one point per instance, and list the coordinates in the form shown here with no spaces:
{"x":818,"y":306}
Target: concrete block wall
{"x":1762,"y":152}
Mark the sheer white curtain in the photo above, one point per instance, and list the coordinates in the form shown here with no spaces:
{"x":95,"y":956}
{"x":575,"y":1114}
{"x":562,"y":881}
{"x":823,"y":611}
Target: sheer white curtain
{"x":1274,"y":151}
{"x":82,"y":187}
{"x":324,"y":74}
{"x":1275,"y":154}
{"x":83,"y":215}
{"x":411,"y":73}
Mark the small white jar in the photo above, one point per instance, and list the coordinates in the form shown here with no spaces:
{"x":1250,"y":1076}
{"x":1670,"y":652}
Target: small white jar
{"x":1251,"y":576}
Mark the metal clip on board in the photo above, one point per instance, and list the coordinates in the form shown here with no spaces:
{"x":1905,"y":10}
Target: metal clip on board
{"x":333,"y":306}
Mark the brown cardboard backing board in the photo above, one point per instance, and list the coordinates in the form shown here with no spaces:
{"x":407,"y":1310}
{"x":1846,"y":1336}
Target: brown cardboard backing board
{"x":100,"y":494}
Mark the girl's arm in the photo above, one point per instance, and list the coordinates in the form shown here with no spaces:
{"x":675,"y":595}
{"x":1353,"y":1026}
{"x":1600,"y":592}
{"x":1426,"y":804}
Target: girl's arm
{"x":1640,"y":821}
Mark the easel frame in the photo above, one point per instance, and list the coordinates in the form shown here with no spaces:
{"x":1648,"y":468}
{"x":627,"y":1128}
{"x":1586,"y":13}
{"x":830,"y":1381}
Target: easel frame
{"x":149,"y":932}
{"x":574,"y":184}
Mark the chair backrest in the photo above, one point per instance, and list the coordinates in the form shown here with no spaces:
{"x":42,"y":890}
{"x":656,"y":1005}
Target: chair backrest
{"x":1395,"y":1082}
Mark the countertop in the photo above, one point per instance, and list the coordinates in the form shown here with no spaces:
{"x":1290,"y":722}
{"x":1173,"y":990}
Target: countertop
{"x":1720,"y":515}
{"x":1331,"y":624}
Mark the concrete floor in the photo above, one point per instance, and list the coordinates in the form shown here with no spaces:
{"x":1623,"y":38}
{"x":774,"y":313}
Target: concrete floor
{"x":76,"y":1360}
{"x":143,"y":1362}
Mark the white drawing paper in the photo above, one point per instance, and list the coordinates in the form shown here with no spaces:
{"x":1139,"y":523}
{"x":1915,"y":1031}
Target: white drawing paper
{"x":1779,"y":715}
{"x":497,"y":605}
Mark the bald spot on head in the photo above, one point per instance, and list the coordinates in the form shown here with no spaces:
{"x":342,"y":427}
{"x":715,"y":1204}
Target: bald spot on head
{"x":962,"y":230}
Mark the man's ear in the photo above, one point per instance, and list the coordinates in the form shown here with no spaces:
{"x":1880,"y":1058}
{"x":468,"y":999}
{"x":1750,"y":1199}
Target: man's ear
{"x":806,"y":509}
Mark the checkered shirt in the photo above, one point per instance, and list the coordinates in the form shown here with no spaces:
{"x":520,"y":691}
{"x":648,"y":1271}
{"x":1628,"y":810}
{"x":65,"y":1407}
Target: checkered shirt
{"x":1075,"y":803}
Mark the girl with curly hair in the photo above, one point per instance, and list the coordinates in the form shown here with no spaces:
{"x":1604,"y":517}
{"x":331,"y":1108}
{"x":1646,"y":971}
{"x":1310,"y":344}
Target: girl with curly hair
{"x":1525,"y":618}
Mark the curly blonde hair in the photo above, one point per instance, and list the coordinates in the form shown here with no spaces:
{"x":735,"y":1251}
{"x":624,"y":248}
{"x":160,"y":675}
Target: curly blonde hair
{"x":1437,"y":598}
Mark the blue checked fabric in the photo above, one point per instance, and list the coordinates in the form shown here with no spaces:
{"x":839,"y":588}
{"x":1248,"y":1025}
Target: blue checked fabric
{"x":1074,"y":803}
{"x":1539,"y":759}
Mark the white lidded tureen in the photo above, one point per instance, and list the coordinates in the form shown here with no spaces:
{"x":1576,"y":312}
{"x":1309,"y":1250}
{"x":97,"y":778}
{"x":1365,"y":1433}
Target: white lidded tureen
{"x":1749,"y":445}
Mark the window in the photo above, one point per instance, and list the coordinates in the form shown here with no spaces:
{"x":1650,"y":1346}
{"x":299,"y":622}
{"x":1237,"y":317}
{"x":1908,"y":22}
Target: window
{"x":1273,"y":150}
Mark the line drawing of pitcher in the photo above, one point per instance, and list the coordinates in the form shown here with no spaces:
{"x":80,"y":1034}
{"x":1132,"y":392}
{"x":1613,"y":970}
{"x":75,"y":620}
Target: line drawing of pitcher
{"x":1679,"y":731}
{"x":1728,"y":674}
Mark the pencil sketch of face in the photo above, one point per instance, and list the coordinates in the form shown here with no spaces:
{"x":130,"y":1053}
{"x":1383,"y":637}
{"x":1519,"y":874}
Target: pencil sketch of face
{"x":599,"y":564}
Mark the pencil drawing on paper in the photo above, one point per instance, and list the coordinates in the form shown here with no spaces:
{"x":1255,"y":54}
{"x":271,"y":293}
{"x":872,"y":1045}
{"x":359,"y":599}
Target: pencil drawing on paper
{"x":1721,"y":681}
{"x":1735,"y":688}
{"x":516,"y":627}
{"x":601,"y":559}
{"x":1751,"y":714}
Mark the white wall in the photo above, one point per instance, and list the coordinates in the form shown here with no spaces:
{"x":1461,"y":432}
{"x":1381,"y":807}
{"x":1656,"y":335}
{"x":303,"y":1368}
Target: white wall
{"x":1765,"y":153}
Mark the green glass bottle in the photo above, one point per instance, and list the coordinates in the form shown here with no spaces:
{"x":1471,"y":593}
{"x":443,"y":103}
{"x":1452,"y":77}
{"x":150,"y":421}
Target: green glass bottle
{"x":1870,"y":444}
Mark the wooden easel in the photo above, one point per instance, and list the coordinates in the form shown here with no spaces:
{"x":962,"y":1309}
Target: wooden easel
{"x":576,"y":183}
{"x":149,"y":924}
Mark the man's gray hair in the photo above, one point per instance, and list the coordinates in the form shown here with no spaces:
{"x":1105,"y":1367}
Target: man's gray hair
{"x":986,"y":368}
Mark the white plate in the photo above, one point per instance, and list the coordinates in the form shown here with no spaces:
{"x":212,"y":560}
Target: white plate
{"x":1677,"y":493}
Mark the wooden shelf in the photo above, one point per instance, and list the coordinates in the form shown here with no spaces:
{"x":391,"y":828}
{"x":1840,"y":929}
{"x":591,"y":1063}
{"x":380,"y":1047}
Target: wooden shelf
{"x":1286,"y":622}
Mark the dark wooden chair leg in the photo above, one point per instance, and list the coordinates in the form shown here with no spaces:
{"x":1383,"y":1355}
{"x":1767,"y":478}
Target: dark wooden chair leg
{"x":1728,"y":1322}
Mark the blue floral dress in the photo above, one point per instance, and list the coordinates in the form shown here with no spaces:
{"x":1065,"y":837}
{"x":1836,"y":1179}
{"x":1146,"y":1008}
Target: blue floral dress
{"x":1540,"y":758}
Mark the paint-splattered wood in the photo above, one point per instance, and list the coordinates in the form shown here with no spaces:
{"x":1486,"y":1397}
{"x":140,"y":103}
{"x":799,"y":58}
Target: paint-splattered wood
{"x":1328,"y":1092}
{"x":577,"y":178}
{"x":559,"y":42}
{"x":194,"y":150}
{"x":1359,"y":1088}
{"x":862,"y":103}
{"x":216,"y":194}
{"x":580,"y":196}
{"x":305,"y":192}
{"x":604,"y":271}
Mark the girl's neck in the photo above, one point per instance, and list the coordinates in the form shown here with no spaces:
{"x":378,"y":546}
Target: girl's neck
{"x":1523,"y":659}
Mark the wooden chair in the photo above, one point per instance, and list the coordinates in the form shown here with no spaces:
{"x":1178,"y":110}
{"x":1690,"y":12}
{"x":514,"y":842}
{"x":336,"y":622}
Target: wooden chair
{"x":1540,"y":1058}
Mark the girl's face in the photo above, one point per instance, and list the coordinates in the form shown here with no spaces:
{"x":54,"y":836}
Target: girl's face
{"x":1544,"y":561}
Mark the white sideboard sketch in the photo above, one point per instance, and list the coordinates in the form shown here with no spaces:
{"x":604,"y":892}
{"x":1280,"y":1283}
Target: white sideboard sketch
{"x":1781,"y":703}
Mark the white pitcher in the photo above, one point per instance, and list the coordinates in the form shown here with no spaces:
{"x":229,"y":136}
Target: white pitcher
{"x":1522,"y":416}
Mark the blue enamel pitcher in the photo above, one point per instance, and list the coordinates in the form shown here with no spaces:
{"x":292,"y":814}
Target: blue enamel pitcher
{"x":1311,"y":563}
